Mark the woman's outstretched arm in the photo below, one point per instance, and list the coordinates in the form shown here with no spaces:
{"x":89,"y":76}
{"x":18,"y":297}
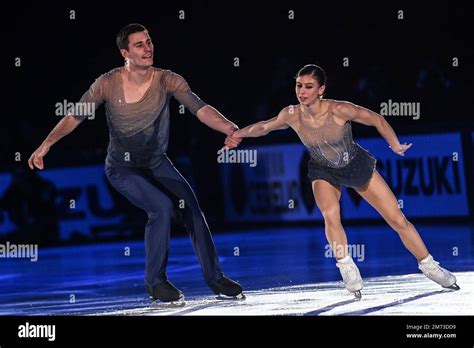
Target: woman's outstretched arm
{"x":264,"y":127}
{"x":352,"y":112}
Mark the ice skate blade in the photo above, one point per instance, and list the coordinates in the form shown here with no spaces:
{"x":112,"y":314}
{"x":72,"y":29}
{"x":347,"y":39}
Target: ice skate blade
{"x":239,"y":297}
{"x":453,"y":287}
{"x":358,"y":295}
{"x":172,"y":304}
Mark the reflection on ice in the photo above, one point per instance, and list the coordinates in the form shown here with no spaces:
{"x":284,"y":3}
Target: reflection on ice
{"x":393,"y":295}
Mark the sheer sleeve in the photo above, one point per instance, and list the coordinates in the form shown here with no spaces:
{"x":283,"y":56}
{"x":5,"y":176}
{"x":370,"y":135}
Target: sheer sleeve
{"x":179,"y":88}
{"x":90,"y":100}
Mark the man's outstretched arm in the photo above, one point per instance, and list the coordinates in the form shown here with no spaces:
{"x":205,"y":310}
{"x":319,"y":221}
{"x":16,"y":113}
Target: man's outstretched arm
{"x":63,"y":128}
{"x":95,"y":96}
{"x":215,"y":120}
{"x":208,"y":115}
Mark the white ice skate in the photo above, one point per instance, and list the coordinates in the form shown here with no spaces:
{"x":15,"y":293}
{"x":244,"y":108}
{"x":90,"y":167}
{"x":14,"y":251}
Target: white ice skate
{"x":350,"y":276}
{"x":439,"y":275}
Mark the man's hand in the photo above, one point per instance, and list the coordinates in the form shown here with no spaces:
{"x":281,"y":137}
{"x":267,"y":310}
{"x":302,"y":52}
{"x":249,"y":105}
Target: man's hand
{"x":232,"y":141}
{"x":36,"y":158}
{"x":401,"y":148}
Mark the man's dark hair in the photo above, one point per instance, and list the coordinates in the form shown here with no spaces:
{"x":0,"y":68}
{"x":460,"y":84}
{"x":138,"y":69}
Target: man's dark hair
{"x":122,"y":36}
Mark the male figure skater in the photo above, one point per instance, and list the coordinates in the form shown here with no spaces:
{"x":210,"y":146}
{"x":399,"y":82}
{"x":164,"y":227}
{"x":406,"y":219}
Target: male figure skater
{"x":136,"y":99}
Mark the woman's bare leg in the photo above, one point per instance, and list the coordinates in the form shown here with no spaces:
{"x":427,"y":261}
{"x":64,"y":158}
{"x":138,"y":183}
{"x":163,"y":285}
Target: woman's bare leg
{"x":327,"y":198}
{"x":379,"y":195}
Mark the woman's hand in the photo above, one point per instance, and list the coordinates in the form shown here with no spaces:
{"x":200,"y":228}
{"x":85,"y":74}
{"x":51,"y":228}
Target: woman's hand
{"x":401,"y":148}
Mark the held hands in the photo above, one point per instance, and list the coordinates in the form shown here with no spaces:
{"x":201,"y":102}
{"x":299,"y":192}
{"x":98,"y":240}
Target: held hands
{"x":232,"y":140}
{"x":401,"y":148}
{"x":36,"y":158}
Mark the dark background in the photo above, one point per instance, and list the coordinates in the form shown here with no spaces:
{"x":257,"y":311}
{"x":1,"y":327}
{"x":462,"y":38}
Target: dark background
{"x":408,"y":60}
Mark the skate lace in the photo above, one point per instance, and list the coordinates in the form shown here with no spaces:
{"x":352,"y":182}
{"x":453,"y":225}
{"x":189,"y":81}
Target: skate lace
{"x":348,"y":271}
{"x":433,"y":269}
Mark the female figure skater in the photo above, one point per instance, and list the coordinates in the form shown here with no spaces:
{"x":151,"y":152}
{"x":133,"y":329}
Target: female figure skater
{"x":324,"y":127}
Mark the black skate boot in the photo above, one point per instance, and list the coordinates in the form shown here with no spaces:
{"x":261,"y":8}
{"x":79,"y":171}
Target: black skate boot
{"x":166,"y":292}
{"x":227,"y":287}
